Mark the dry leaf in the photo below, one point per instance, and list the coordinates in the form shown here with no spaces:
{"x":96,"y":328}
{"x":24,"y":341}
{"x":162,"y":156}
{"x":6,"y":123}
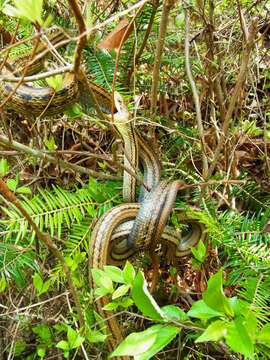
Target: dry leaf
{"x":113,"y":40}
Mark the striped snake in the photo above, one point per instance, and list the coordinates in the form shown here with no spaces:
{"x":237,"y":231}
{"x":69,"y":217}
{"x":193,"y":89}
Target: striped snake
{"x":125,"y":229}
{"x":130,"y":227}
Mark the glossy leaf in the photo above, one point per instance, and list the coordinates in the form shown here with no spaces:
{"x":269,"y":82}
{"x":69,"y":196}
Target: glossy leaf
{"x":238,"y":338}
{"x":201,"y":310}
{"x":137,"y":343}
{"x":215,"y":331}
{"x":144,"y":300}
{"x":214,"y":296}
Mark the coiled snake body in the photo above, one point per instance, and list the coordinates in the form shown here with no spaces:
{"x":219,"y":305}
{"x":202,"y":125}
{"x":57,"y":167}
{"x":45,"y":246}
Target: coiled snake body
{"x":116,"y":237}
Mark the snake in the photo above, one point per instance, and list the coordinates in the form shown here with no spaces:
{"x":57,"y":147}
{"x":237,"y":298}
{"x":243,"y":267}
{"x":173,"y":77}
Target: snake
{"x":130,"y":227}
{"x":32,"y":101}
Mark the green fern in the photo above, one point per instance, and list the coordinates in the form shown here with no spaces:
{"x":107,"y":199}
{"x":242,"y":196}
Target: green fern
{"x":64,"y":214}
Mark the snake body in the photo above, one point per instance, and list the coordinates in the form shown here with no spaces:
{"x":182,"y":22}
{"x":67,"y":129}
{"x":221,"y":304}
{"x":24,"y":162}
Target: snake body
{"x":130,"y":227}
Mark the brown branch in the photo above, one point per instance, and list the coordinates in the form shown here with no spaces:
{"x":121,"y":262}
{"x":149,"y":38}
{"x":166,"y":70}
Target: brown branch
{"x":167,"y":6}
{"x":235,"y":95}
{"x":145,"y":39}
{"x":63,"y":164}
{"x":12,"y":42}
{"x":119,"y":53}
{"x":47,"y":241}
{"x":82,"y":30}
{"x":195,"y":94}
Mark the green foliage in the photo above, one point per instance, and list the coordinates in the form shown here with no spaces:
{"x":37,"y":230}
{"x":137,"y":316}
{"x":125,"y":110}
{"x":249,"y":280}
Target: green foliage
{"x":63,"y":213}
{"x":220,"y":317}
{"x":74,"y":340}
{"x":199,"y":253}
{"x":41,"y":286}
{"x":28,"y":9}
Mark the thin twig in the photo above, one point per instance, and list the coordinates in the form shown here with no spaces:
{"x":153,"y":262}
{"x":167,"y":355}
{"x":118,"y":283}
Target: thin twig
{"x":40,"y":76}
{"x":82,"y":30}
{"x":195,"y":94}
{"x":167,"y":6}
{"x":235,"y":94}
{"x":63,"y":164}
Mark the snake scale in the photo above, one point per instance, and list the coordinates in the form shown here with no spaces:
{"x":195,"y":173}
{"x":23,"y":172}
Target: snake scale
{"x":128,"y":228}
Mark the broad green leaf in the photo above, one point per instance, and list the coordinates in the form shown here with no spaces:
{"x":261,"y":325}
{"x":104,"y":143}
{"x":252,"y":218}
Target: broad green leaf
{"x":250,"y":323}
{"x":238,"y":338}
{"x":95,"y":336}
{"x":200,"y":310}
{"x":63,"y":345}
{"x":46,"y":286}
{"x":215,"y":331}
{"x":19,"y":347}
{"x":106,"y":283}
{"x":56,"y":82}
{"x":38,"y":282}
{"x":129,"y":273}
{"x":29,"y":9}
{"x":144,"y":300}
{"x":12,"y":184}
{"x":120,"y":291}
{"x":164,"y":336}
{"x":199,"y":252}
{"x":24,"y":190}
{"x":41,"y":351}
{"x":3,"y":285}
{"x":137,"y":343}
{"x":114,"y":273}
{"x":71,"y":335}
{"x":264,"y":334}
{"x":74,"y":339}
{"x":112,"y":306}
{"x":97,"y":274}
{"x":214,"y":296}
{"x":4,"y":167}
{"x":174,"y":313}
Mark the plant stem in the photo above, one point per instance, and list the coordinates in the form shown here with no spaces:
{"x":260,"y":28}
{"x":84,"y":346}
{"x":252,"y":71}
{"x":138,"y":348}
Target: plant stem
{"x":47,"y":241}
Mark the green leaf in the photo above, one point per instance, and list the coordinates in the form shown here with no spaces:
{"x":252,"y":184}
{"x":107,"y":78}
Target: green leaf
{"x":46,"y":286}
{"x":28,"y":9}
{"x":63,"y":345}
{"x":214,"y":332}
{"x":4,"y":167}
{"x":120,"y":291}
{"x":41,"y":351}
{"x":56,"y":82}
{"x":164,"y":336}
{"x":200,"y":310}
{"x":19,"y":347}
{"x":251,"y":324}
{"x":144,"y":300}
{"x":214,"y":296}
{"x":129,"y":273}
{"x":237,"y":338}
{"x":95,"y":336}
{"x":106,"y":283}
{"x":38,"y":282}
{"x":24,"y":190}
{"x":264,"y":335}
{"x":174,"y":313}
{"x":74,"y":339}
{"x":50,"y":143}
{"x":12,"y":184}
{"x":114,"y":273}
{"x":199,"y":252}
{"x":3,"y":285}
{"x":137,"y":343}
